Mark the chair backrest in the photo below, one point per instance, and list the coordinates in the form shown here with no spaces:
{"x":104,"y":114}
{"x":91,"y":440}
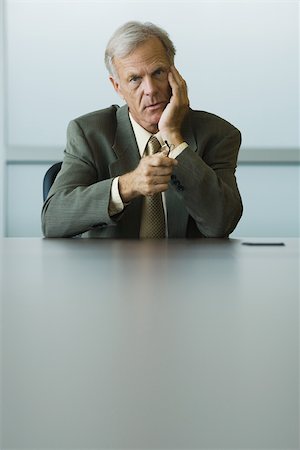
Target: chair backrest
{"x":49,"y":178}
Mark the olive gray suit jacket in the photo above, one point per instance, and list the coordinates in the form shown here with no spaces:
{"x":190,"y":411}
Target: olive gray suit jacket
{"x":202,"y":200}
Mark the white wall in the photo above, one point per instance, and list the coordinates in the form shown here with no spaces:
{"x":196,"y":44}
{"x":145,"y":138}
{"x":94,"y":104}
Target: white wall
{"x":240,"y":60}
{"x":239,"y":57}
{"x":270,"y":195}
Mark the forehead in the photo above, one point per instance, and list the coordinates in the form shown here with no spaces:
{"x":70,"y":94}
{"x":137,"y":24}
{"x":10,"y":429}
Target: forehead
{"x":146,"y":56}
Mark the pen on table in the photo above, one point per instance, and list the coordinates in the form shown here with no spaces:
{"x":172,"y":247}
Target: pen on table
{"x":260,"y":244}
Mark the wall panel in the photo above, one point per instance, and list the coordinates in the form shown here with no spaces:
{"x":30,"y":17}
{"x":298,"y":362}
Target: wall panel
{"x":240,"y":59}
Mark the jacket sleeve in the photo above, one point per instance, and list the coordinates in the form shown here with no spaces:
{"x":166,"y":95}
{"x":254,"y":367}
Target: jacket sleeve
{"x":79,"y":198}
{"x":207,"y":185}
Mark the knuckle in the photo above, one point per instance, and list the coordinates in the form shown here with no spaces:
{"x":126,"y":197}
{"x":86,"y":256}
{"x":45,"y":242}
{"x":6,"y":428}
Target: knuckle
{"x":146,"y":171}
{"x":148,"y":190}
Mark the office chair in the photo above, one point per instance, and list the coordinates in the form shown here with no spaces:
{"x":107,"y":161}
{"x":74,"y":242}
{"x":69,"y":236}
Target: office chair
{"x":49,"y":178}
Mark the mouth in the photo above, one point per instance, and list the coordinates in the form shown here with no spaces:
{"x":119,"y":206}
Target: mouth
{"x":155,"y":106}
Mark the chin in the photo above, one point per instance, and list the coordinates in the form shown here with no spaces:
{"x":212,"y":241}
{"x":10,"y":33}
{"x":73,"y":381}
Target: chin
{"x":155,"y":117}
{"x":151,"y":127}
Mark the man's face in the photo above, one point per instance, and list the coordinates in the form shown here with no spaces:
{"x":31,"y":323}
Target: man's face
{"x":143,"y":82}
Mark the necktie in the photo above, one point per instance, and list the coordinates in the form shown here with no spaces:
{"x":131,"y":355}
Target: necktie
{"x":153,"y":217}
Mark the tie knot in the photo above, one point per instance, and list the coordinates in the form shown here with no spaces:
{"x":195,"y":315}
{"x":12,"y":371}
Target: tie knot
{"x":153,"y":146}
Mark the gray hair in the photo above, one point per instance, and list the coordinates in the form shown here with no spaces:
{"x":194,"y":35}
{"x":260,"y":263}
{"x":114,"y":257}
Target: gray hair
{"x":129,"y":36}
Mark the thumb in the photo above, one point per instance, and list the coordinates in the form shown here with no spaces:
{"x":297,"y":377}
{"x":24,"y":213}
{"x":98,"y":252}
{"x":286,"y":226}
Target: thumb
{"x":165,"y":152}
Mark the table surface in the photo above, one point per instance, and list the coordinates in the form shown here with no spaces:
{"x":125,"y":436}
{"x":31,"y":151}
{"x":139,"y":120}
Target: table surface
{"x":150,"y":344}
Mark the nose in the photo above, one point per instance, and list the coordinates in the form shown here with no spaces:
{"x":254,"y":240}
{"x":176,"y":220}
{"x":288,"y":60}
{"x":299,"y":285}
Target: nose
{"x":149,"y":86}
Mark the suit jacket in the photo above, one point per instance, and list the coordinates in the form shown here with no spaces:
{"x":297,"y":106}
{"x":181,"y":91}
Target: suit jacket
{"x":202,"y":200}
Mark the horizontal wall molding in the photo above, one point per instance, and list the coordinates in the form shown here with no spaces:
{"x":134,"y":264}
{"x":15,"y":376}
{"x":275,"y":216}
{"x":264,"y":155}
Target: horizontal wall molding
{"x":34,"y":154}
{"x":267,"y":155}
{"x":246,"y":155}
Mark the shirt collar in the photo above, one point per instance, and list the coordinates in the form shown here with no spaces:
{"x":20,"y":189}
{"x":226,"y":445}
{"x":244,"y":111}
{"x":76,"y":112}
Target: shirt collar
{"x":142,"y":136}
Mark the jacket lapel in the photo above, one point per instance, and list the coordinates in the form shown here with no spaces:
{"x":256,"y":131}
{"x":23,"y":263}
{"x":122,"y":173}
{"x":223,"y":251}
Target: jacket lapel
{"x":125,"y":146}
{"x":128,"y":157}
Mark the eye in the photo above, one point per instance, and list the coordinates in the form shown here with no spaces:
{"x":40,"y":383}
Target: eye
{"x":159,"y":73}
{"x":134,"y":79}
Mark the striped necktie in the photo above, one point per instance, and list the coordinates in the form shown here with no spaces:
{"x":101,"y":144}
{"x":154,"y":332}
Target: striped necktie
{"x":153,"y":225}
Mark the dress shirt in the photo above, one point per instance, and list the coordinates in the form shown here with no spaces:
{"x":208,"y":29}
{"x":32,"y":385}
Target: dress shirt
{"x":142,"y":137}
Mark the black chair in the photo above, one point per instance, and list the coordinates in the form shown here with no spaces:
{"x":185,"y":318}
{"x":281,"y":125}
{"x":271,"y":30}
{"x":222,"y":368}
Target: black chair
{"x":49,"y":178}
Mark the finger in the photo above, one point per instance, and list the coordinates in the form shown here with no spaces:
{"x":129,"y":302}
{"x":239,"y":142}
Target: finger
{"x":175,"y":73}
{"x":165,"y":152}
{"x":156,"y":188}
{"x":156,"y":172}
{"x":177,"y":76}
{"x":177,"y":83}
{"x":175,"y":86}
{"x":160,"y":179}
{"x":163,"y":161}
{"x":162,"y":187}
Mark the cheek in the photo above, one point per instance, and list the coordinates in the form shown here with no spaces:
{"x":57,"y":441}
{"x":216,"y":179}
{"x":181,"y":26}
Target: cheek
{"x":138,"y":97}
{"x":134,"y":100}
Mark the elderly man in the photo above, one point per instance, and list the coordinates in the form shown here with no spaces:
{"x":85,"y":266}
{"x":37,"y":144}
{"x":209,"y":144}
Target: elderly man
{"x":153,"y":168}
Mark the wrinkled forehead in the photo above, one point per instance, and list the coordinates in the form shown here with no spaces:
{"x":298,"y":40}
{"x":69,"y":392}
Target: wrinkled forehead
{"x":147,"y":56}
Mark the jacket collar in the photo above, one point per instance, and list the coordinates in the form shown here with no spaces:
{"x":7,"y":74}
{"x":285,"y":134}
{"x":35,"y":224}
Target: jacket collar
{"x":125,"y":145}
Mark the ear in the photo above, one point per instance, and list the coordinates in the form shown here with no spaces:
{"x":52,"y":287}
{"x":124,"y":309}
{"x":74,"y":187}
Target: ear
{"x":116,"y":85}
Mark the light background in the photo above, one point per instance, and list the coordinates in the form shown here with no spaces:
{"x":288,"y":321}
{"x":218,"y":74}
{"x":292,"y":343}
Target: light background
{"x":239,"y":58}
